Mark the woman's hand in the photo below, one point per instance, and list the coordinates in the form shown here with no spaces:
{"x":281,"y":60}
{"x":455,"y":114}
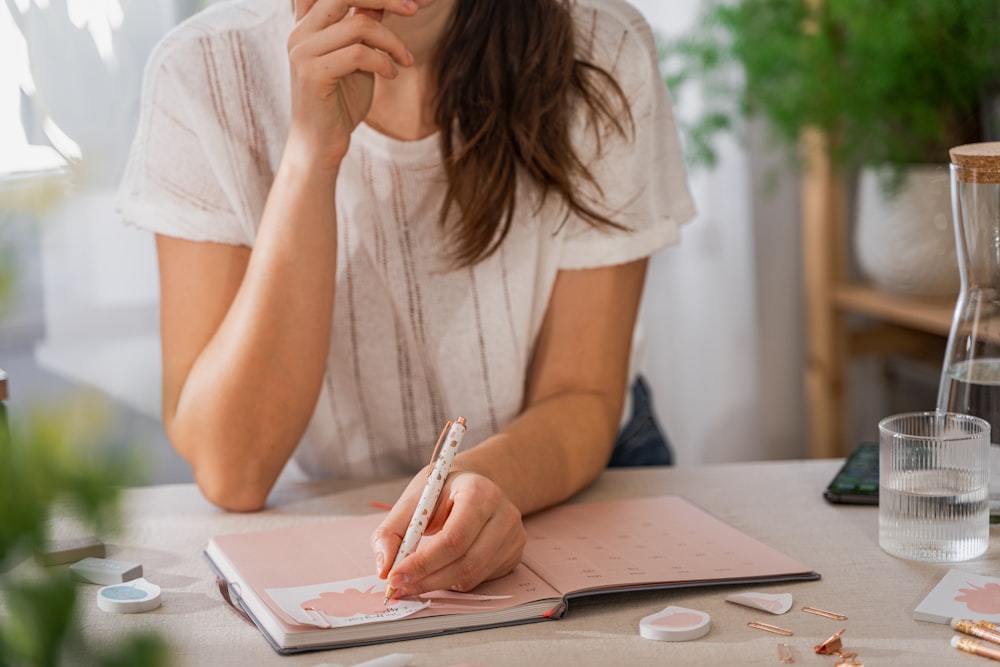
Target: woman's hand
{"x":475,"y":535}
{"x":335,"y":50}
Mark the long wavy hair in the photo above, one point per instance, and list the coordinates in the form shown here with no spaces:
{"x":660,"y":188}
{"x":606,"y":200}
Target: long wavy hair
{"x":510,"y":79}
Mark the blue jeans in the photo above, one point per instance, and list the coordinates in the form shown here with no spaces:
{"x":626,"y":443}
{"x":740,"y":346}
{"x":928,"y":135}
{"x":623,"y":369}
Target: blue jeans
{"x":641,"y":442}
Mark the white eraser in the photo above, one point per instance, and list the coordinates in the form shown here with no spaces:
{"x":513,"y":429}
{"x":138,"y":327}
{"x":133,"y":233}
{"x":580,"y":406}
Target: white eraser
{"x":60,"y":552}
{"x":133,"y":597}
{"x":105,"y":571}
{"x":675,"y":624}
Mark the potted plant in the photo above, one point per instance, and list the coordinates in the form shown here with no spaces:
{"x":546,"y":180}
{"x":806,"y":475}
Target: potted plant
{"x":892,"y":84}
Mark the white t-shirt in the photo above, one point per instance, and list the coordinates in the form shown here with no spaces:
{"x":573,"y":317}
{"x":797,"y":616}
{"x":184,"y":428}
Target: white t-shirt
{"x":414,"y":343}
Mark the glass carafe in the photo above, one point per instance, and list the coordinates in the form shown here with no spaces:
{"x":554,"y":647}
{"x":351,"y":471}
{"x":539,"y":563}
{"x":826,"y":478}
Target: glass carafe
{"x":970,"y":377}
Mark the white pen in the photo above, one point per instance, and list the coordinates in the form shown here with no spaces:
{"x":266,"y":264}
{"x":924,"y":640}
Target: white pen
{"x":448,"y":443}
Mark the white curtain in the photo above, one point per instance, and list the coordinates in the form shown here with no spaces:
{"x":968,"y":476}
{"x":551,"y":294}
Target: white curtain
{"x":721,"y":313}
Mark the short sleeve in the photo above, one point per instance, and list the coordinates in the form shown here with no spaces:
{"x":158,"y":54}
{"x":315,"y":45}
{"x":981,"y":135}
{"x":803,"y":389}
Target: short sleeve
{"x":640,"y":179}
{"x":195,"y":170}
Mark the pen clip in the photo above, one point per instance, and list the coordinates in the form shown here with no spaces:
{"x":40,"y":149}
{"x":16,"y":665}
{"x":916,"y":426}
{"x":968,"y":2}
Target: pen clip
{"x":437,"y":447}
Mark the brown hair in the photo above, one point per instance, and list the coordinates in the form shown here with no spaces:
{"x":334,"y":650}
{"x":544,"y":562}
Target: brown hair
{"x":509,"y":77}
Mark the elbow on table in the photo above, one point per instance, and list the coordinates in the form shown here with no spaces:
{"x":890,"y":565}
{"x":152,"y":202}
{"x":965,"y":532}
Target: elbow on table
{"x":231,"y":494}
{"x":240,"y":484}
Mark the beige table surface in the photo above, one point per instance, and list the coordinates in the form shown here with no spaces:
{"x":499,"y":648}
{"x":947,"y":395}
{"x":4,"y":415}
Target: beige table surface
{"x":779,"y":503}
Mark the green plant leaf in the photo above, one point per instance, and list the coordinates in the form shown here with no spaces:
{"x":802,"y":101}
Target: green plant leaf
{"x":892,"y":82}
{"x":140,"y":649}
{"x":57,"y":464}
{"x":39,"y":614}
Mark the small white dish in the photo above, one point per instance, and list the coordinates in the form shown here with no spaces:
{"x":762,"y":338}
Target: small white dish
{"x":132,"y":597}
{"x":675,"y":624}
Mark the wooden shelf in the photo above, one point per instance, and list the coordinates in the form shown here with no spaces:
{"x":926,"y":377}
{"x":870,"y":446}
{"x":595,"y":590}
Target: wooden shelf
{"x":928,"y":315}
{"x":897,"y":325}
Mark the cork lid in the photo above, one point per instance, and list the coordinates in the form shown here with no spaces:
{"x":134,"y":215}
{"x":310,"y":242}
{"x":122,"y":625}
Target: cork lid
{"x":3,"y":385}
{"x":977,"y":163}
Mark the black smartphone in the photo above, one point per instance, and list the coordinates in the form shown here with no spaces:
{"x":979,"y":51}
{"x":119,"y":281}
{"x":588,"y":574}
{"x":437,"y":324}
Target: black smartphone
{"x":856,"y":483}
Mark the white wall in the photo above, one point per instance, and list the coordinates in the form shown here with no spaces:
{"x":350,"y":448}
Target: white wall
{"x":721,"y":311}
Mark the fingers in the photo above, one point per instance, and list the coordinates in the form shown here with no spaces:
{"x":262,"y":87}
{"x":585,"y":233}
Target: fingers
{"x":385,"y":543}
{"x":482,"y":538}
{"x":325,"y":12}
{"x":444,"y":562}
{"x":302,"y":7}
{"x":355,"y":58}
{"x":388,"y":536}
{"x":375,"y":14}
{"x":355,"y":42}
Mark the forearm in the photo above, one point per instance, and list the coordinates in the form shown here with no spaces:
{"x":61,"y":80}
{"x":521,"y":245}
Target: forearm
{"x":249,"y":395}
{"x":560,"y":442}
{"x":552,"y":450}
{"x":575,"y":391}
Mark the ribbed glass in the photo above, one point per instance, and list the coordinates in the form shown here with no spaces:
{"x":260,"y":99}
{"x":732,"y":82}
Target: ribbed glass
{"x":933,"y":486}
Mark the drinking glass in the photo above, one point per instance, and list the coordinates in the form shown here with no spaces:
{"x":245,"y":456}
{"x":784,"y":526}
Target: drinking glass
{"x":933,"y":486}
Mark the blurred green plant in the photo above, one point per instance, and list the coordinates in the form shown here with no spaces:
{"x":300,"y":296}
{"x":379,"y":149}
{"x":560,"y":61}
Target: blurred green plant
{"x":6,"y":277}
{"x":890,"y":82}
{"x":57,"y":469}
{"x":56,"y":466}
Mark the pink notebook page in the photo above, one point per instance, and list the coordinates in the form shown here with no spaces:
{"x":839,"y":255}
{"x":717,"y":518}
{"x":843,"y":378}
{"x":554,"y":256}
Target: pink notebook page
{"x":666,"y":539}
{"x":334,"y":551}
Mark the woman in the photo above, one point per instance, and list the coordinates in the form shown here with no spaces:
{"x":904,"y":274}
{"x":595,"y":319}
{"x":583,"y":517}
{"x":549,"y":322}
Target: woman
{"x":373,"y":217}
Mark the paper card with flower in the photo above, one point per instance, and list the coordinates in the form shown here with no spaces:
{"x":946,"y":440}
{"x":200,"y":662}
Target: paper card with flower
{"x":961,"y":595}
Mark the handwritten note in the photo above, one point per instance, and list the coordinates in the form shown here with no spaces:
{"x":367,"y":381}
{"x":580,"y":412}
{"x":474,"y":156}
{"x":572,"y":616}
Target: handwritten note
{"x":338,"y":604}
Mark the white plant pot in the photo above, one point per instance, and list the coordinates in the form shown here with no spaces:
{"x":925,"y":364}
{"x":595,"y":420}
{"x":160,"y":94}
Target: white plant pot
{"x":905,"y":243}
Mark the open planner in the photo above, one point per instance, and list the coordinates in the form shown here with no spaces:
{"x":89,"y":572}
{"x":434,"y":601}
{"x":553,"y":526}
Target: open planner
{"x":311,"y":586}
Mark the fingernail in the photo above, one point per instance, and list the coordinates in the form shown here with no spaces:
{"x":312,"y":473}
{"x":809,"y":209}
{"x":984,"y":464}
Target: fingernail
{"x":379,"y":562}
{"x":409,"y":5}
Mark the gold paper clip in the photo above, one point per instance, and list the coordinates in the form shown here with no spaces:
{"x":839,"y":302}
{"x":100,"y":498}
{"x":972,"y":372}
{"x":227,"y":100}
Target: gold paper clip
{"x":848,"y":659}
{"x":785,"y":656}
{"x":823,"y":612}
{"x":832,"y":645}
{"x":770,"y":628}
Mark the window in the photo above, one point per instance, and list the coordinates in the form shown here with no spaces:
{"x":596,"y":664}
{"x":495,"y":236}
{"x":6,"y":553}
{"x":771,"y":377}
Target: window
{"x":82,"y":314}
